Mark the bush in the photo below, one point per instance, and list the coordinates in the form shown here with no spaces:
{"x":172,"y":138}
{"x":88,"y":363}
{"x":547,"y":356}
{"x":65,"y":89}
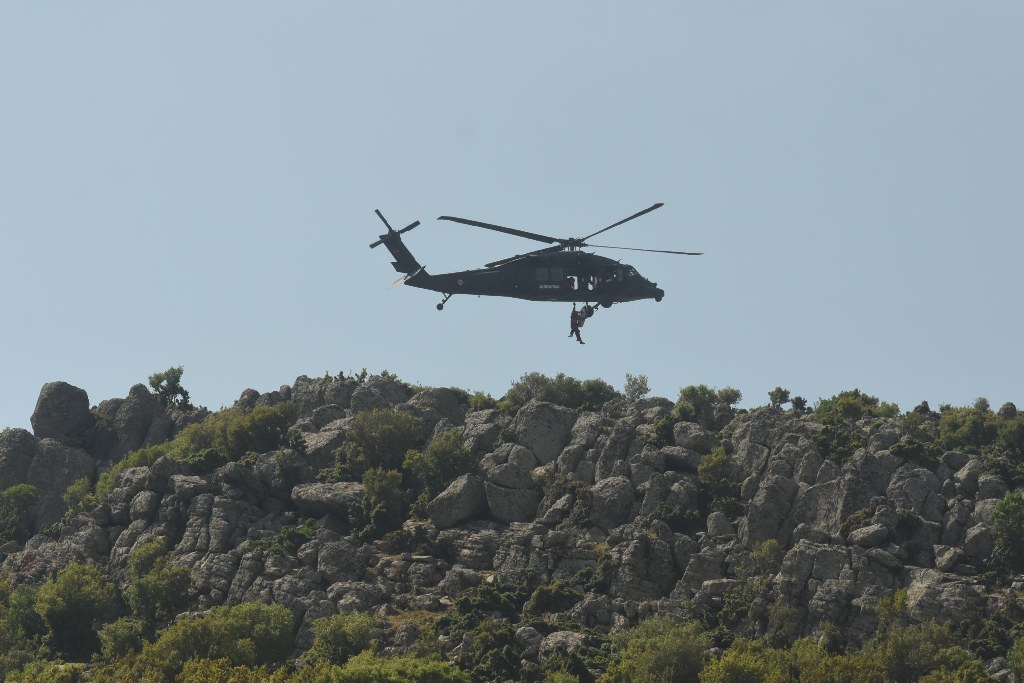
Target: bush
{"x":336,"y":639}
{"x":850,"y":406}
{"x":70,"y":603}
{"x":696,"y":403}
{"x":658,"y":650}
{"x":1007,"y":530}
{"x":121,"y":638}
{"x":16,"y":506}
{"x":368,"y":668}
{"x":167,"y":387}
{"x":563,"y":390}
{"x":841,"y":437}
{"x":158,"y":589}
{"x":636,"y":387}
{"x":250,"y":634}
{"x":778,"y":397}
{"x":715,"y":474}
{"x":383,"y":507}
{"x":48,"y":671}
{"x":445,"y":459}
{"x":967,"y":429}
{"x":379,"y":439}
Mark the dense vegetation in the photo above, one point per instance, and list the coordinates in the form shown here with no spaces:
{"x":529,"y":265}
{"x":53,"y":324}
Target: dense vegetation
{"x":82,"y":626}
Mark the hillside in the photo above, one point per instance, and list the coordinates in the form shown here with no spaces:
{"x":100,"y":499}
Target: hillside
{"x":566,"y":532}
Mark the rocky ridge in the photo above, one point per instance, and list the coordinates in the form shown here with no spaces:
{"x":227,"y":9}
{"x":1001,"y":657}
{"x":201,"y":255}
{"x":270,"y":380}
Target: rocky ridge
{"x":559,"y":495}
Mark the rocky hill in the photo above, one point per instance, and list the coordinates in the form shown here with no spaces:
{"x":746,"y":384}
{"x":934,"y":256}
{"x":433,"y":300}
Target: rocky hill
{"x":563,"y":525}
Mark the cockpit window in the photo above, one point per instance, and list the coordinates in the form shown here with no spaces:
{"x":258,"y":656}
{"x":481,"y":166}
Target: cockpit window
{"x":631,"y":272}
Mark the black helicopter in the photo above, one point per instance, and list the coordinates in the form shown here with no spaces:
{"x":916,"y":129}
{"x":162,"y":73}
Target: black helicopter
{"x":561,"y":272}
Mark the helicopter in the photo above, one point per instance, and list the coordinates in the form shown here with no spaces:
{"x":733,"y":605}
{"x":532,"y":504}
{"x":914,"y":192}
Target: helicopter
{"x":561,"y":272}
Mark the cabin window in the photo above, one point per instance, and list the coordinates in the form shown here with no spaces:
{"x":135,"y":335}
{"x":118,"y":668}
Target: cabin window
{"x":556,"y":274}
{"x":541,"y":275}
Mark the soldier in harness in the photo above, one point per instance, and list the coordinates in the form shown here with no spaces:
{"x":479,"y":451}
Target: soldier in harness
{"x":578,"y":318}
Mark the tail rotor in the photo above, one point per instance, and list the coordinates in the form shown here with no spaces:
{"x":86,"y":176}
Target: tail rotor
{"x":391,"y":231}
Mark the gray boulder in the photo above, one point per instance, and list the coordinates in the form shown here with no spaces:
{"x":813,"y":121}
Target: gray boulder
{"x":139,"y":421}
{"x":693,"y":437}
{"x":379,"y":392}
{"x":560,"y":643}
{"x":62,"y":413}
{"x":463,"y":500}
{"x":309,"y":394}
{"x":320,"y":499}
{"x":17,"y":449}
{"x":611,"y":501}
{"x":544,"y":428}
{"x":512,"y":505}
{"x":55,"y":467}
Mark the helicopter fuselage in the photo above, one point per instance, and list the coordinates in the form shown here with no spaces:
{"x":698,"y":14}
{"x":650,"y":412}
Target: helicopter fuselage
{"x":574,"y":276}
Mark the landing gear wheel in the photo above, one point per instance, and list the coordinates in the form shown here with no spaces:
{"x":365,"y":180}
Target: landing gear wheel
{"x":440,"y":306}
{"x":605,"y":303}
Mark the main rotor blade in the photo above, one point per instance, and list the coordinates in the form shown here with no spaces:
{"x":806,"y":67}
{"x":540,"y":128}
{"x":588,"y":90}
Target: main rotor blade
{"x":510,"y":231}
{"x":381,"y":216}
{"x":657,"y":251}
{"x":624,"y":220}
{"x":545,"y":250}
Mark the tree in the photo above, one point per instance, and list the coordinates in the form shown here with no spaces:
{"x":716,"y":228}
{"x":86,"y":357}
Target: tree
{"x":167,"y":387}
{"x":658,"y":650}
{"x":70,"y":603}
{"x":336,"y":639}
{"x":729,"y":396}
{"x":799,"y":404}
{"x":778,"y":397}
{"x":158,"y":589}
{"x":636,"y":387}
{"x":1008,"y":529}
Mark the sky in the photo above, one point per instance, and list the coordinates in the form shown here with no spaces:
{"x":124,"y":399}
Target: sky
{"x":193,"y":184}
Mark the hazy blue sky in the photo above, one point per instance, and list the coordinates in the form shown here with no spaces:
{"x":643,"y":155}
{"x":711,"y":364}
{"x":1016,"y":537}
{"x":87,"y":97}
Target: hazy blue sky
{"x":194,"y":183}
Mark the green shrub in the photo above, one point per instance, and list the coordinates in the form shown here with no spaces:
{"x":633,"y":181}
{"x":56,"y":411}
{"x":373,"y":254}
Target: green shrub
{"x":158,"y":589}
{"x":850,"y":406}
{"x":696,"y":403}
{"x":557,"y":596}
{"x":48,"y":671}
{"x":1007,"y":531}
{"x":167,"y":387}
{"x":250,"y":634}
{"x":563,"y":390}
{"x":79,"y":496}
{"x":336,"y":639}
{"x":778,"y":397}
{"x":16,"y":506}
{"x":223,"y":671}
{"x":70,"y":603}
{"x":383,"y":507}
{"x":840,"y":437}
{"x":121,"y":638}
{"x":747,"y":662}
{"x":636,"y":387}
{"x":445,"y":459}
{"x":379,"y":439}
{"x":368,"y":668}
{"x":967,"y":429}
{"x":478,"y":400}
{"x":715,"y":474}
{"x":657,"y":651}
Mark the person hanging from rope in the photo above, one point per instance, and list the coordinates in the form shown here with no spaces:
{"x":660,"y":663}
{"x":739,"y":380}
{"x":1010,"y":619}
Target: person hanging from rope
{"x":575,"y":321}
